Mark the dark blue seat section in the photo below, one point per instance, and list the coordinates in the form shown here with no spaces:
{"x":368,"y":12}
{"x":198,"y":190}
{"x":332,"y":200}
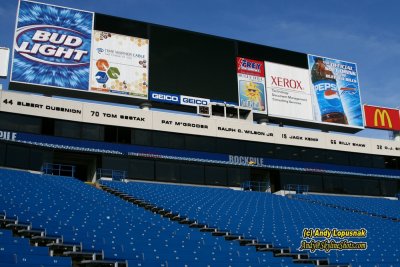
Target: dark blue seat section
{"x":378,"y":206}
{"x":273,"y":219}
{"x":21,"y":258}
{"x":18,"y":252}
{"x":84,"y":214}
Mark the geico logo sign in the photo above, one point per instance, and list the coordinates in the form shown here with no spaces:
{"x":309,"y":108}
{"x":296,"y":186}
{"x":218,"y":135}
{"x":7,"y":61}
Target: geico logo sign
{"x":171,"y":98}
{"x":51,"y":45}
{"x":194,"y":101}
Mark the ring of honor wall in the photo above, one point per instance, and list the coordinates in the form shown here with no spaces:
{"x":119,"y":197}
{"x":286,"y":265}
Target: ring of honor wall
{"x":79,"y":111}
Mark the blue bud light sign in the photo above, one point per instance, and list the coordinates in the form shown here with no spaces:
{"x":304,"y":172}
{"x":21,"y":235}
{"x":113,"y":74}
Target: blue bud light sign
{"x":336,"y":91}
{"x":52,"y":46}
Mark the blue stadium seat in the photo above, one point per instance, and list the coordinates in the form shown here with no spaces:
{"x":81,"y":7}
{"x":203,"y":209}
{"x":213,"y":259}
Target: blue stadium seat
{"x":270,"y":218}
{"x":103,"y":222}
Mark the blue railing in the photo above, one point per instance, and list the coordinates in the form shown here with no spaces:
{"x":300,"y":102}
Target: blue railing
{"x":298,"y":188}
{"x":58,"y":169}
{"x":256,"y":186}
{"x":117,"y":175}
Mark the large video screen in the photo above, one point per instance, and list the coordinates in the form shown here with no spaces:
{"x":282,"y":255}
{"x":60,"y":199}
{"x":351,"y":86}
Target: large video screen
{"x":192,"y":64}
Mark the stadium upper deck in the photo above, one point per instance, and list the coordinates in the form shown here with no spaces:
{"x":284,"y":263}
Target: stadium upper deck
{"x":235,"y":96}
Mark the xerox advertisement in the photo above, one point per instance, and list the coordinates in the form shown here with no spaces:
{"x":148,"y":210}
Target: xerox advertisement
{"x":288,"y":92}
{"x":52,"y":46}
{"x":120,"y":65}
{"x":336,"y":91}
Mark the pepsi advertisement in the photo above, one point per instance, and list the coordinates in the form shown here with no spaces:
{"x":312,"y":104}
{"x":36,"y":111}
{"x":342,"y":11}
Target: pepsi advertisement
{"x":336,"y":91}
{"x":52,"y":46}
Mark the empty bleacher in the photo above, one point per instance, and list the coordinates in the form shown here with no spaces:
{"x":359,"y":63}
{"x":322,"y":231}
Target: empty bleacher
{"x":272,"y":219}
{"x":18,"y":252}
{"x":77,"y":214}
{"x":380,"y":207}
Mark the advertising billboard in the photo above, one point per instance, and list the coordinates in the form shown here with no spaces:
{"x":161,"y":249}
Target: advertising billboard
{"x":165,"y":97}
{"x":52,"y":46}
{"x":336,"y":91}
{"x":288,"y":92}
{"x":382,"y":118}
{"x":251,"y":84}
{"x":120,"y":65}
{"x":4,"y":57}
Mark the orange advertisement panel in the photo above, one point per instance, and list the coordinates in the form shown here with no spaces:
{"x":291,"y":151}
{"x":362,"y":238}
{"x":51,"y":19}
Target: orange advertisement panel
{"x":382,"y":118}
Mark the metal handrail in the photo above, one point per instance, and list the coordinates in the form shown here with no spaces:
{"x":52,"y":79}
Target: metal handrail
{"x":58,"y":169}
{"x":298,"y":188}
{"x":117,"y":175}
{"x":256,"y":186}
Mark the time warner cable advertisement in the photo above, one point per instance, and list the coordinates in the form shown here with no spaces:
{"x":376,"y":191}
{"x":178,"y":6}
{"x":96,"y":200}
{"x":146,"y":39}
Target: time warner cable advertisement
{"x":52,"y":46}
{"x":336,"y":91}
{"x":120,"y":65}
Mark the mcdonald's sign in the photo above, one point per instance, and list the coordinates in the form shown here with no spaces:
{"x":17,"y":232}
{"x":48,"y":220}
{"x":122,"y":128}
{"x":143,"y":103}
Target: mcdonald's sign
{"x":382,"y":118}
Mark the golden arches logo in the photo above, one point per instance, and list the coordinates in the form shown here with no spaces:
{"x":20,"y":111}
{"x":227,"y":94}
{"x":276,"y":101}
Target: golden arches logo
{"x":383,"y":117}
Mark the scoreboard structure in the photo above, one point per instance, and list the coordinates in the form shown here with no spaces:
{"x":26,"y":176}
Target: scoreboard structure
{"x":124,"y":61}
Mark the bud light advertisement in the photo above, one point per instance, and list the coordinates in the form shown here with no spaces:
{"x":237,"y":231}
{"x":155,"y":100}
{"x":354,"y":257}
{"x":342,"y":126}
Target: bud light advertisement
{"x":251,"y":83}
{"x":52,"y":46}
{"x":336,"y":91}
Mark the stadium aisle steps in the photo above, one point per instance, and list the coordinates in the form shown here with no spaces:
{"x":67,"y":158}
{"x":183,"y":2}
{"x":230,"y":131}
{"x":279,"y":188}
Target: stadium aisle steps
{"x":17,"y":251}
{"x":270,"y":218}
{"x":297,"y":257}
{"x":363,"y":206}
{"x":81,"y":213}
{"x":22,"y":245}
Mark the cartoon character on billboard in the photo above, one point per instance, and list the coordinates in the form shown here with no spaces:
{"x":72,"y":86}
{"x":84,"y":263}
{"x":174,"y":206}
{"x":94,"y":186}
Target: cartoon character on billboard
{"x":252,"y":95}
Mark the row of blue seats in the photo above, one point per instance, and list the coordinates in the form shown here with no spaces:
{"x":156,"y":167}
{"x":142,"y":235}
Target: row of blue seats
{"x":379,"y":206}
{"x":18,"y":252}
{"x":270,"y":218}
{"x":84,"y":214}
